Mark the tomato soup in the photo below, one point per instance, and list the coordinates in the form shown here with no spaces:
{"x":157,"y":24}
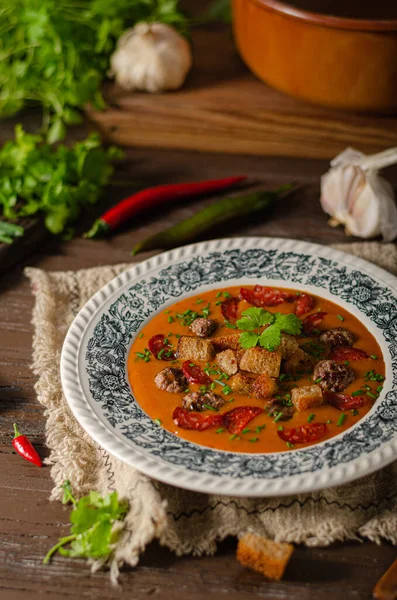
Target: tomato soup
{"x":255,"y":369}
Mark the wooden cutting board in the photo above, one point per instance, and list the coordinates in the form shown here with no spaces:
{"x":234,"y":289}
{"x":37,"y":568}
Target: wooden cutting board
{"x":35,"y":234}
{"x":224,"y":108}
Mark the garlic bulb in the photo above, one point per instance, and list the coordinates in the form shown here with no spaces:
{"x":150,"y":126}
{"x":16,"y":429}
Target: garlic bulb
{"x":356,"y":196}
{"x":151,"y":57}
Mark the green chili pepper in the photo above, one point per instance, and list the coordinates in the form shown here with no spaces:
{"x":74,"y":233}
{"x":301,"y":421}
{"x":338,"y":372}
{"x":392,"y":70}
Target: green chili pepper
{"x":212,"y":215}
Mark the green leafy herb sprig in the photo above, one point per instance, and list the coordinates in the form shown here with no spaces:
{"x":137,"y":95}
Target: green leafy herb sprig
{"x":9,"y":232}
{"x":254,"y":319}
{"x":94,"y":530}
{"x":56,"y":52}
{"x":219,"y":10}
{"x":58,"y":183}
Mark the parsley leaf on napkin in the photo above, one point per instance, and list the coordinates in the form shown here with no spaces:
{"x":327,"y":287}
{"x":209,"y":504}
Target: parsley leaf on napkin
{"x":94,"y":529}
{"x":255,"y":318}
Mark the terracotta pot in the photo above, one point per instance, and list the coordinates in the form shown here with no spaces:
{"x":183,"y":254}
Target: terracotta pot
{"x":340,"y":62}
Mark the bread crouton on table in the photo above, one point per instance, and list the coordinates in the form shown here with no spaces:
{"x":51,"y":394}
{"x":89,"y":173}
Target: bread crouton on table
{"x":260,"y":360}
{"x":226,"y":342}
{"x":227,"y":361}
{"x":193,"y":348}
{"x":265,"y":556}
{"x":298,"y":363}
{"x":287,"y":346}
{"x":306,"y":397}
{"x":241,"y":384}
{"x":264,"y":386}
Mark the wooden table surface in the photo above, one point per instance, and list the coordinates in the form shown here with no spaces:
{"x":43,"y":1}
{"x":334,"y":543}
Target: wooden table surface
{"x":30,"y":524}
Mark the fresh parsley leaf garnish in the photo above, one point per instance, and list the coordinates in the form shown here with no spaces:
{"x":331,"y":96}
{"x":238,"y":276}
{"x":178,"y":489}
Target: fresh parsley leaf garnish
{"x":248,"y":339}
{"x":93,"y":530}
{"x":271,"y":337}
{"x":288,"y":323}
{"x":254,"y":318}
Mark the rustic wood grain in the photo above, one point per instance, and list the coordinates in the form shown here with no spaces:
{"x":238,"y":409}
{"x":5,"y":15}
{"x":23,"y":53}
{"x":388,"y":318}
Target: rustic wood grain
{"x":30,"y":524}
{"x":224,"y":108}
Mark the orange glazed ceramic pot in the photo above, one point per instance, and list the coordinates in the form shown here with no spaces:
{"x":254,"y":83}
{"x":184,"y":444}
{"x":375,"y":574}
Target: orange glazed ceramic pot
{"x":335,"y":61}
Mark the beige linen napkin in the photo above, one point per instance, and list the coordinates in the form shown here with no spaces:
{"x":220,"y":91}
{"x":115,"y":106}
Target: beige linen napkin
{"x":188,"y":522}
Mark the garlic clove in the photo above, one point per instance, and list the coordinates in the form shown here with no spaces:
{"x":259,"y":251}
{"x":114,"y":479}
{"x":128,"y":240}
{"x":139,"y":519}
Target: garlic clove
{"x":387,"y":206}
{"x":363,"y":218}
{"x":338,"y":190}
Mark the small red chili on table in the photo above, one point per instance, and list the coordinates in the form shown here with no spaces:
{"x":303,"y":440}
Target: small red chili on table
{"x":25,"y":448}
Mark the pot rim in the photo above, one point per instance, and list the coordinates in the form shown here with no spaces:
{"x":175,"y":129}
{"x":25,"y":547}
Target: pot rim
{"x":288,"y":10}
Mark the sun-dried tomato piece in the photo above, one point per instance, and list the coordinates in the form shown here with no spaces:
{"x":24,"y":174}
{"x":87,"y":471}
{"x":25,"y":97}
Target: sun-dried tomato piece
{"x":348,"y":353}
{"x":304,"y":434}
{"x":195,"y":374}
{"x":238,"y":418}
{"x":311,"y":323}
{"x":265,"y":296}
{"x":229,"y":308}
{"x":304,"y":303}
{"x":343,"y":402}
{"x":190,"y":420}
{"x":160,"y":349}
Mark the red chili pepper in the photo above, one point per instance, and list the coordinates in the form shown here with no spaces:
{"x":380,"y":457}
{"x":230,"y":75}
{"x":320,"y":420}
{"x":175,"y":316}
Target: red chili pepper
{"x":304,"y":434}
{"x":343,"y":402}
{"x":24,"y":447}
{"x":304,"y":304}
{"x":195,"y":374}
{"x":348,"y":353}
{"x":151,"y":197}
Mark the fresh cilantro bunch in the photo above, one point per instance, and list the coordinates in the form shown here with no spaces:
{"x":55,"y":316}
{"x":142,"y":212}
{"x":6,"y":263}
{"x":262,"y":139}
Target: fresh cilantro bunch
{"x":219,"y":10}
{"x":94,"y":530}
{"x":36,"y":178}
{"x":254,"y":319}
{"x":56,"y":52}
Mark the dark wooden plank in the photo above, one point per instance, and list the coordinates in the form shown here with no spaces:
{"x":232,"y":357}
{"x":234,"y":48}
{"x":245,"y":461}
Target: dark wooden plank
{"x":30,"y":524}
{"x":224,"y":108}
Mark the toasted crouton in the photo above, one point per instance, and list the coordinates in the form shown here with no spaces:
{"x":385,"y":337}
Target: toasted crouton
{"x":239,"y":354}
{"x":306,"y":397}
{"x":287,"y":346}
{"x":227,"y":361}
{"x":298,"y":363}
{"x":226,"y":342}
{"x":264,"y":386}
{"x":260,"y":360}
{"x":241,"y":384}
{"x":265,"y":556}
{"x":192,"y":348}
